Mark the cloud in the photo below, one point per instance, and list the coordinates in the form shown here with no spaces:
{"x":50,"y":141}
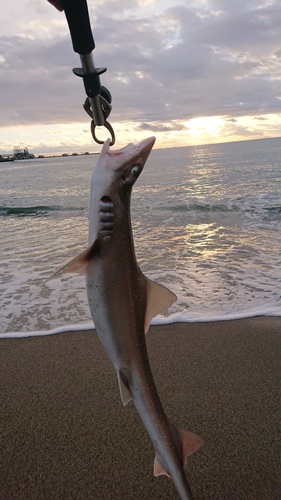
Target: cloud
{"x":165,"y":64}
{"x":162,"y":127}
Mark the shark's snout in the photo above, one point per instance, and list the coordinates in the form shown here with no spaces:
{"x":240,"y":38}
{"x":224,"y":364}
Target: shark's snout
{"x":144,"y":147}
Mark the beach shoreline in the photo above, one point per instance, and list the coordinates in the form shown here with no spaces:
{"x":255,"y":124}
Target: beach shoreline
{"x":66,"y":435}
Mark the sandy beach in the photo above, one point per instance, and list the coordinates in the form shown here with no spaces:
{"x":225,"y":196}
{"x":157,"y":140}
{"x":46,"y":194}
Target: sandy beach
{"x":66,"y":436}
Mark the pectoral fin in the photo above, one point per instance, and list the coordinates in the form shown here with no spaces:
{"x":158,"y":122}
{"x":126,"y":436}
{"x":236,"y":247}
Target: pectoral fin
{"x":186,"y":443}
{"x":79,"y":264}
{"x":158,"y":299}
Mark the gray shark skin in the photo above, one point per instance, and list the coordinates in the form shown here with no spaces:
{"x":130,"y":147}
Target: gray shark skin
{"x":123,"y":302}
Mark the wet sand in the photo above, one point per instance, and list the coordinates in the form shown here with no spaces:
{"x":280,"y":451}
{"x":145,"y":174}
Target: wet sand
{"x":66,"y":435}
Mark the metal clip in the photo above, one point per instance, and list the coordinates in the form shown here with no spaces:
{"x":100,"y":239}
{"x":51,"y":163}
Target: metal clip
{"x":98,"y":102}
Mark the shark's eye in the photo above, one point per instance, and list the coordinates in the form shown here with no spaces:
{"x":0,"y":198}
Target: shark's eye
{"x":135,"y":170}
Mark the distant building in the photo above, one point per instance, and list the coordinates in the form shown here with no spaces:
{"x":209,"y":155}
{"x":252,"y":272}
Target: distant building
{"x":6,"y":158}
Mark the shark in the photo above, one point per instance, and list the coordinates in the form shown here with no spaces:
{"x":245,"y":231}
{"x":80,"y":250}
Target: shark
{"x":123,"y":302}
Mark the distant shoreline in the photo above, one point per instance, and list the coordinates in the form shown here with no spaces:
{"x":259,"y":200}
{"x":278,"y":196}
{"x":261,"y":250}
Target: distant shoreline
{"x":11,"y":158}
{"x":58,"y":155}
{"x":65,"y":155}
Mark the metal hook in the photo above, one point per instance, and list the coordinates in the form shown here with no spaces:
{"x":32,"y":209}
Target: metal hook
{"x":108,"y":127}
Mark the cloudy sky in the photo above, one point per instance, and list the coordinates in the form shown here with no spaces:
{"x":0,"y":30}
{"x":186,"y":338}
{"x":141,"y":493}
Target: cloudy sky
{"x":188,"y":72}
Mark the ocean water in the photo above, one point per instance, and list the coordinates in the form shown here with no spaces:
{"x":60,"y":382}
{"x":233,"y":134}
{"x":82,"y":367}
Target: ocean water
{"x":206,"y":223}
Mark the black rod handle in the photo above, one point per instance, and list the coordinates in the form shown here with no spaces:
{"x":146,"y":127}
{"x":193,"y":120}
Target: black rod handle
{"x":77,"y":15}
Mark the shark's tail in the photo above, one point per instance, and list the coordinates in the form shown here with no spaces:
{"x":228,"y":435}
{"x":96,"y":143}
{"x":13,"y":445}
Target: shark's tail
{"x":186,"y":443}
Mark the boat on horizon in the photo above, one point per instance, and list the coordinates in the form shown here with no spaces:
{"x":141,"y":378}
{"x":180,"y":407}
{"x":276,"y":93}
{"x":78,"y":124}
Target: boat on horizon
{"x":23,"y":154}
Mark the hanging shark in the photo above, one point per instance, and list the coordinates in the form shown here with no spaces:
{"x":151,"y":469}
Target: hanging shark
{"x":123,"y":301}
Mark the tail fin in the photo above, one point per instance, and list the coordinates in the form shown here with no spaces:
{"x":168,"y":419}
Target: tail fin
{"x":186,"y":443}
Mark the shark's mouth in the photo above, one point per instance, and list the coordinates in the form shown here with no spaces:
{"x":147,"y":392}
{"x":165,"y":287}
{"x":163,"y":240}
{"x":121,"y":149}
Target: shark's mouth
{"x":107,"y":200}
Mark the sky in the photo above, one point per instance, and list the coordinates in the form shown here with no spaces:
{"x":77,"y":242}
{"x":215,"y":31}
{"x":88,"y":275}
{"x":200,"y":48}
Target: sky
{"x":188,"y":72}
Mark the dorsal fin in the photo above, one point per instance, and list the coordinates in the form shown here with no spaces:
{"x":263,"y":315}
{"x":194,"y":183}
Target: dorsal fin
{"x":190,"y":443}
{"x":158,"y":299}
{"x":79,"y":263}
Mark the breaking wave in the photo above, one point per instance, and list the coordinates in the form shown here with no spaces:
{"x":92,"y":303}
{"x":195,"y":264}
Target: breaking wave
{"x":250,"y":207}
{"x":35,"y":210}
